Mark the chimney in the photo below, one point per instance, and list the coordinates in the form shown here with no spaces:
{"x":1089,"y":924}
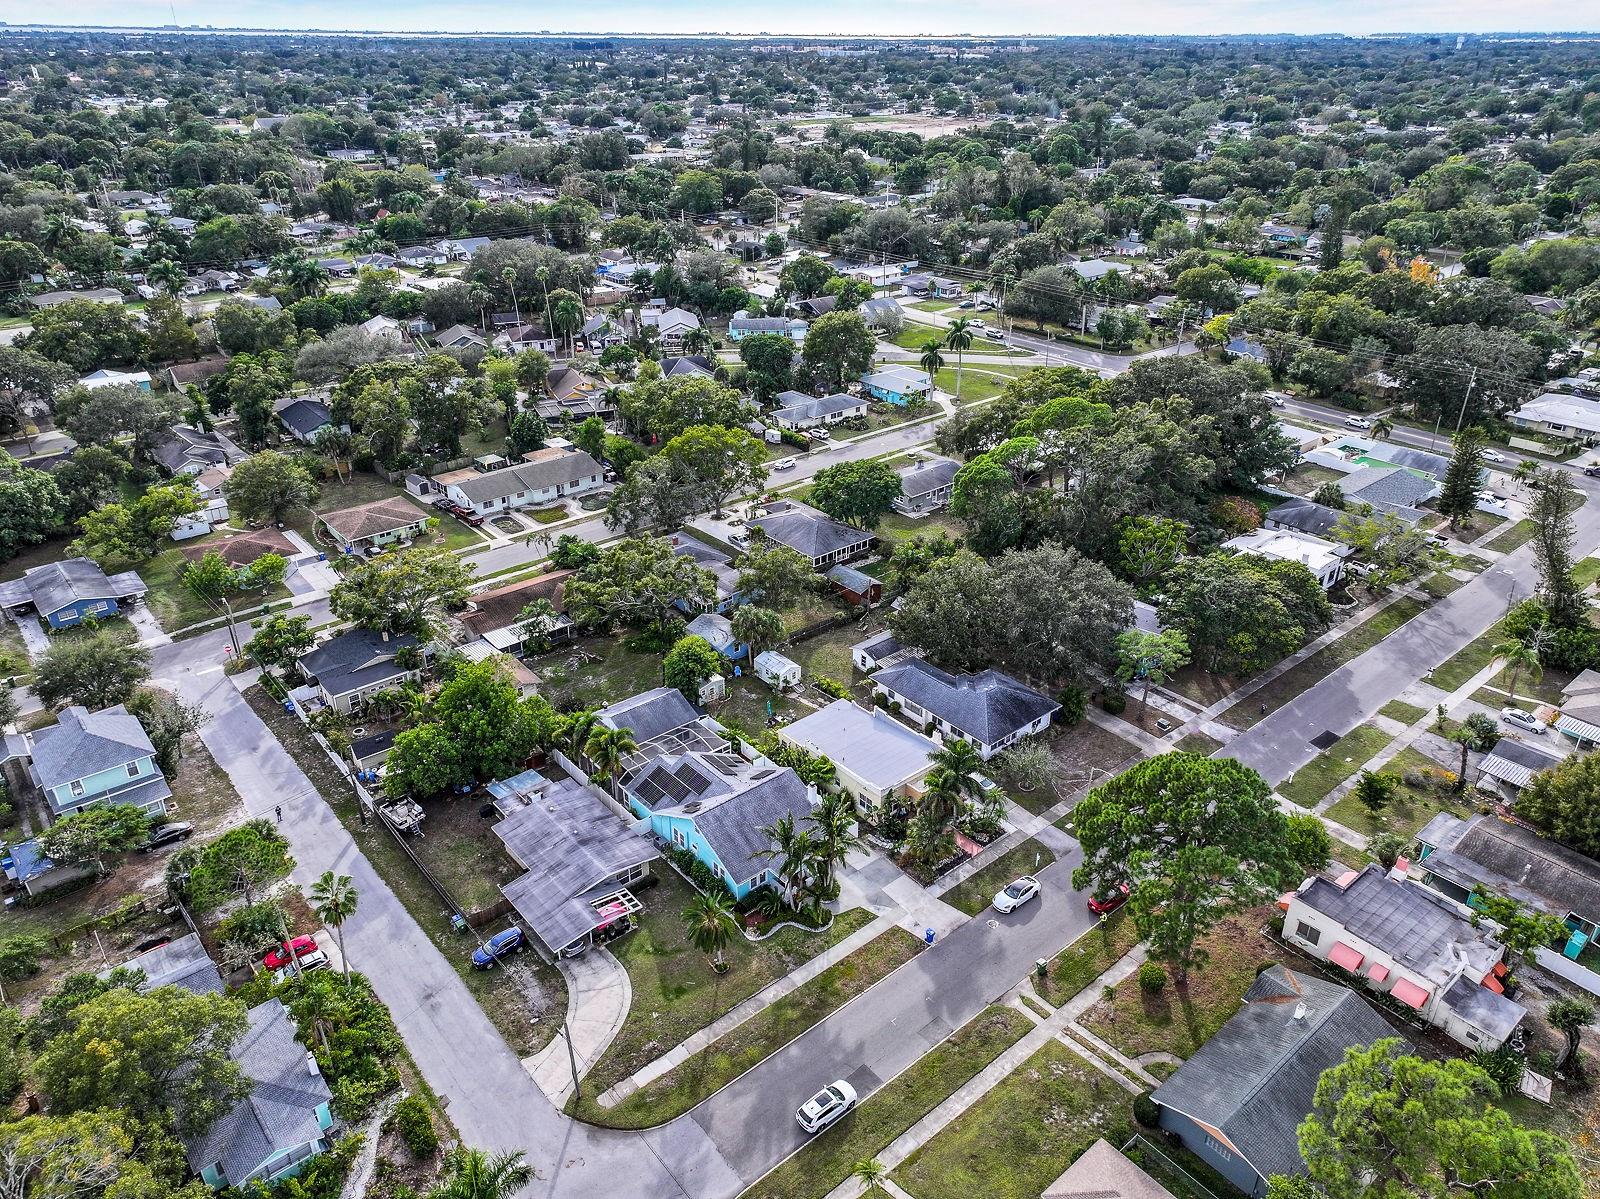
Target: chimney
{"x":311,"y":1064}
{"x":1401,"y":869}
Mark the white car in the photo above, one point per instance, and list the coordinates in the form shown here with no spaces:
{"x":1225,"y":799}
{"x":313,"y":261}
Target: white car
{"x":1522,"y":720}
{"x":783,"y":464}
{"x":1493,"y":456}
{"x":826,"y":1106}
{"x":315,"y":960}
{"x":1017,"y":894}
{"x":1357,"y":422}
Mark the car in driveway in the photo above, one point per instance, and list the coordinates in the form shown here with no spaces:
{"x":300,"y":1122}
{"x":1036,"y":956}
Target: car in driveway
{"x":1525,"y":721}
{"x":300,"y":947}
{"x":1018,"y":893}
{"x":827,"y":1106}
{"x":315,"y":960}
{"x":1592,"y":471}
{"x":168,"y":834}
{"x":503,"y":944}
{"x":1104,"y":905}
{"x":1357,"y":422}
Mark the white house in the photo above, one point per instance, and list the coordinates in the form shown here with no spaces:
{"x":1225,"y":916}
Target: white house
{"x":1561,"y":415}
{"x":778,"y":672}
{"x":1323,"y":558}
{"x":541,"y":478}
{"x":876,"y":756}
{"x":796,"y":410}
{"x":385,"y":328}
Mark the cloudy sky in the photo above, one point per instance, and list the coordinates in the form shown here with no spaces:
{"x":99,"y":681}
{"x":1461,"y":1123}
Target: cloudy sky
{"x":905,"y":17}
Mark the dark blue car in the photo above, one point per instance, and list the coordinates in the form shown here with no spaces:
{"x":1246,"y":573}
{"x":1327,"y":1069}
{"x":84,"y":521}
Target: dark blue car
{"x":501,"y":945}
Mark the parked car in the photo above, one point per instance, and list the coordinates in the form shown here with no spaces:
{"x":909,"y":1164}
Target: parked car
{"x":467,"y":516}
{"x":444,"y":504}
{"x":977,"y":323}
{"x":1018,"y":893}
{"x":168,"y":834}
{"x":502,"y":945}
{"x":1525,"y":721}
{"x":783,"y":464}
{"x":995,"y":334}
{"x":967,"y":304}
{"x":826,"y":1106}
{"x":1102,"y":905}
{"x":1592,"y":471}
{"x":300,"y":947}
{"x":316,"y":960}
{"x":819,"y":435}
{"x":1357,"y":422}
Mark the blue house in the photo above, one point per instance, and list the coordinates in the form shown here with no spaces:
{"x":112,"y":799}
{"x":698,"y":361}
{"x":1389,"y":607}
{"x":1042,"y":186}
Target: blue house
{"x":718,"y":806}
{"x":67,"y":593}
{"x":717,"y":631}
{"x":898,"y":384}
{"x":102,"y":757}
{"x":284,"y":1121}
{"x":1244,"y":347}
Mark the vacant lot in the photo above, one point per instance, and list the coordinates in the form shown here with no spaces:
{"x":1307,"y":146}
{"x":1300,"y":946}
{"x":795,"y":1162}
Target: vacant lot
{"x":1335,"y":764}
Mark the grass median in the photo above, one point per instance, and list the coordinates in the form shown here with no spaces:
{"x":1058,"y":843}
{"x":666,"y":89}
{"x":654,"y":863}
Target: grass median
{"x":756,"y":1039}
{"x":974,"y":894}
{"x":825,"y":1161}
{"x":1335,"y":764}
{"x":1087,"y":958}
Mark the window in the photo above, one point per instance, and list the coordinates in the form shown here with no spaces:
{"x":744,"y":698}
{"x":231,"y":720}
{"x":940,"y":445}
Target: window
{"x":1221,"y":1151}
{"x":76,"y":786}
{"x":133,"y":770}
{"x":678,"y":838}
{"x":1309,"y":933}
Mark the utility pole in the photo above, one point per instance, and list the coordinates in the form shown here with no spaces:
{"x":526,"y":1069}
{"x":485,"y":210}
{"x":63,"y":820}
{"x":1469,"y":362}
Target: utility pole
{"x":1462,"y":415}
{"x":572,"y":1061}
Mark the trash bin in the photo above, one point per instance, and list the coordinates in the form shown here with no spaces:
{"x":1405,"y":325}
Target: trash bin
{"x":927,"y":935}
{"x":1040,"y":966}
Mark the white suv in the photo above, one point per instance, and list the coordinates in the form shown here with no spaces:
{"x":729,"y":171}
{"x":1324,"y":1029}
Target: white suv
{"x":826,"y":1106}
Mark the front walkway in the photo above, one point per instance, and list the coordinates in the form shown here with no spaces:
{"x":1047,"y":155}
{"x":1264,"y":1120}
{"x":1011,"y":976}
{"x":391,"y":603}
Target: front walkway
{"x":599,"y":995}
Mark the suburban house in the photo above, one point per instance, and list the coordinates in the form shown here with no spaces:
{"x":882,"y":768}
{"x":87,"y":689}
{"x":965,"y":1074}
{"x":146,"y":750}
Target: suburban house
{"x":1238,"y":1100}
{"x":304,"y":418}
{"x":495,"y":615}
{"x":460,"y":337}
{"x":926,"y":485}
{"x":181,"y":963}
{"x":879,"y":651}
{"x":541,"y":478}
{"x":880,"y":311}
{"x":693,"y":366}
{"x":284,"y":1122}
{"x":367,"y":527}
{"x":1458,"y":857}
{"x":54,"y":299}
{"x":815,"y":306}
{"x":179,"y":375}
{"x":877,"y":757}
{"x":661,"y":721}
{"x":726,"y":574}
{"x":672,"y":325}
{"x":1566,"y":416}
{"x":741,"y":327}
{"x":898,"y":385}
{"x":855,"y":587}
{"x":1324,"y":559}
{"x":820,"y":538}
{"x":110,"y":378}
{"x":243,"y":549}
{"x":989,"y":709}
{"x":352,"y":665}
{"x":1389,"y":489}
{"x":516,"y":338}
{"x":797,"y":410}
{"x":1410,"y":943}
{"x":598,"y":333}
{"x":716,"y":631}
{"x":572,"y":395}
{"x":1245,"y":347}
{"x":716,"y":806}
{"x":185,"y":450}
{"x":103,"y":757}
{"x":1510,"y":766}
{"x":580,"y":857}
{"x":213,"y":510}
{"x":1302,"y":516}
{"x":384,"y":328}
{"x":1580,"y":708}
{"x":26,"y":865}
{"x":1102,"y":1172}
{"x":69,"y":592}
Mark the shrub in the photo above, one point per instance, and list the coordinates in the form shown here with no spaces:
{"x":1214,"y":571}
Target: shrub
{"x":1114,"y":702}
{"x":1504,"y":1065}
{"x":1074,"y":702}
{"x":20,"y":954}
{"x":414,"y":1125}
{"x":832,"y":687}
{"x":1152,"y":978}
{"x":1146,"y":1110}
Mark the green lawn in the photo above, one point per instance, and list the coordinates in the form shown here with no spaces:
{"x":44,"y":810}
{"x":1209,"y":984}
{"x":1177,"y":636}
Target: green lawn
{"x":1087,"y":958}
{"x":760,"y":1036}
{"x":915,"y":336}
{"x":1197,"y":743}
{"x":1458,"y":670}
{"x":1414,"y":802}
{"x":1398,"y":709}
{"x":175,"y":606}
{"x":896,"y":527}
{"x":827,"y":655}
{"x":978,"y":383}
{"x":1586,"y":571}
{"x":1516,"y":536}
{"x":675,"y":991}
{"x":594,"y":671}
{"x":974,"y":894}
{"x":1331,"y":767}
{"x":825,"y":1160}
{"x":1440,"y":584}
{"x":1022,"y":1134}
{"x":1319,"y":665}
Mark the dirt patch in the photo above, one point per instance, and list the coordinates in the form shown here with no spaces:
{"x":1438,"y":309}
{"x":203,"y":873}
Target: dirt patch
{"x":1085,"y":754}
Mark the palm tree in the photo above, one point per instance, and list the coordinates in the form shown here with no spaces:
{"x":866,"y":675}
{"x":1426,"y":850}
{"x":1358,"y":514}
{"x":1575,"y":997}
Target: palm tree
{"x":167,"y":275}
{"x":338,"y":446}
{"x":958,"y":336}
{"x":577,"y":729}
{"x":1381,"y":427}
{"x":566,"y":315}
{"x":334,"y":898}
{"x":1518,"y":657}
{"x":699,"y":341}
{"x":793,"y":849}
{"x":509,"y":278}
{"x":755,"y":626}
{"x":473,"y":1174}
{"x":942,"y":797}
{"x":932,"y":361}
{"x":870,"y":1173}
{"x":607,"y":749}
{"x":711,"y":925}
{"x":836,"y":835}
{"x":960,"y":761}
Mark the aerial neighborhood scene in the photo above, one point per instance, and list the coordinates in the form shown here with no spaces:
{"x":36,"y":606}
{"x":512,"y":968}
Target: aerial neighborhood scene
{"x":681,"y":611}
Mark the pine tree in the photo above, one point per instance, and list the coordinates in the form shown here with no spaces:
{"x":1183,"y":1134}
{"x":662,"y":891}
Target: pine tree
{"x":1459,"y":499}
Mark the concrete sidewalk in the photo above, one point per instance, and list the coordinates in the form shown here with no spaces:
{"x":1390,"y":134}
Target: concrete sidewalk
{"x":599,"y":995}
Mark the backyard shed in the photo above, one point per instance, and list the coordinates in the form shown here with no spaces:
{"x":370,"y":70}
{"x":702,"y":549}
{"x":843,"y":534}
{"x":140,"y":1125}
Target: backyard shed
{"x":773,"y":669}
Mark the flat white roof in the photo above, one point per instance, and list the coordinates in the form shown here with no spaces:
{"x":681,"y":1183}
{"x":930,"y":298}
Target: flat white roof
{"x":1289,"y":545}
{"x":866,"y":742}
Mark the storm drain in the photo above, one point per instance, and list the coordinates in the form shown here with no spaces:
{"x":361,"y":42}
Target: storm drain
{"x":1326,"y":739}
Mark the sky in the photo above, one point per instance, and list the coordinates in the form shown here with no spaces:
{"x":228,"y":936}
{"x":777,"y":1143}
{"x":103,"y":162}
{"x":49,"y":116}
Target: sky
{"x":843,"y":17}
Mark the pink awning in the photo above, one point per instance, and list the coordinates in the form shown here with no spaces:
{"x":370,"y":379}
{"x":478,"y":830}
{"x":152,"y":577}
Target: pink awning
{"x":1407,"y":992}
{"x":1377,"y":972}
{"x":1342,"y":955}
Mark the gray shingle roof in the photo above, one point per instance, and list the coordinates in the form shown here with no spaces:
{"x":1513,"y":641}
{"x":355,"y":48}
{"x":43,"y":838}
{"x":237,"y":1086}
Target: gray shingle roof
{"x":559,"y":468}
{"x":182,"y":446}
{"x":1391,"y":485}
{"x":924,"y":478}
{"x":1256,"y":1077}
{"x":57,"y":585}
{"x":1515,"y":860}
{"x":798,"y":407}
{"x":988,"y":706}
{"x":82,"y":743}
{"x":1304,"y":516}
{"x":305,"y":417}
{"x":181,"y":963}
{"x":734,"y":826}
{"x":355,"y":658}
{"x":281,"y":1110}
{"x":650,"y":714}
{"x":809,"y":532}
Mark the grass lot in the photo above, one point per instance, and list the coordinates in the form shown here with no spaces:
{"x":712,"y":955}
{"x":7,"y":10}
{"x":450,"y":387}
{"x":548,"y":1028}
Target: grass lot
{"x":1181,"y":1019}
{"x":825,"y":1160}
{"x":1517,"y":535}
{"x":1087,"y":958}
{"x":1413,"y":804}
{"x":979,"y":382}
{"x":1197,"y":743}
{"x":675,"y":991}
{"x":1585,"y":572}
{"x":1440,"y":584}
{"x":594,"y":671}
{"x":175,"y":606}
{"x":547,"y":516}
{"x":760,"y":1036}
{"x":463,"y":853}
{"x":1319,"y":665}
{"x":915,"y":336}
{"x":1470,"y":529}
{"x":1022,"y":1134}
{"x":974,"y":894}
{"x":1331,"y":767}
{"x":15,"y":664}
{"x":527,"y":1000}
{"x":1473,"y":657}
{"x":827,"y":655}
{"x":895,"y":527}
{"x":1398,"y":709}
{"x":1306,"y":478}
{"x":751,"y":702}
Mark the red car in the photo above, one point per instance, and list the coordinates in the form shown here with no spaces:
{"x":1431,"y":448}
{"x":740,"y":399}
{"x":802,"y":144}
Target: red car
{"x":298,"y":948}
{"x":1110,"y":903}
